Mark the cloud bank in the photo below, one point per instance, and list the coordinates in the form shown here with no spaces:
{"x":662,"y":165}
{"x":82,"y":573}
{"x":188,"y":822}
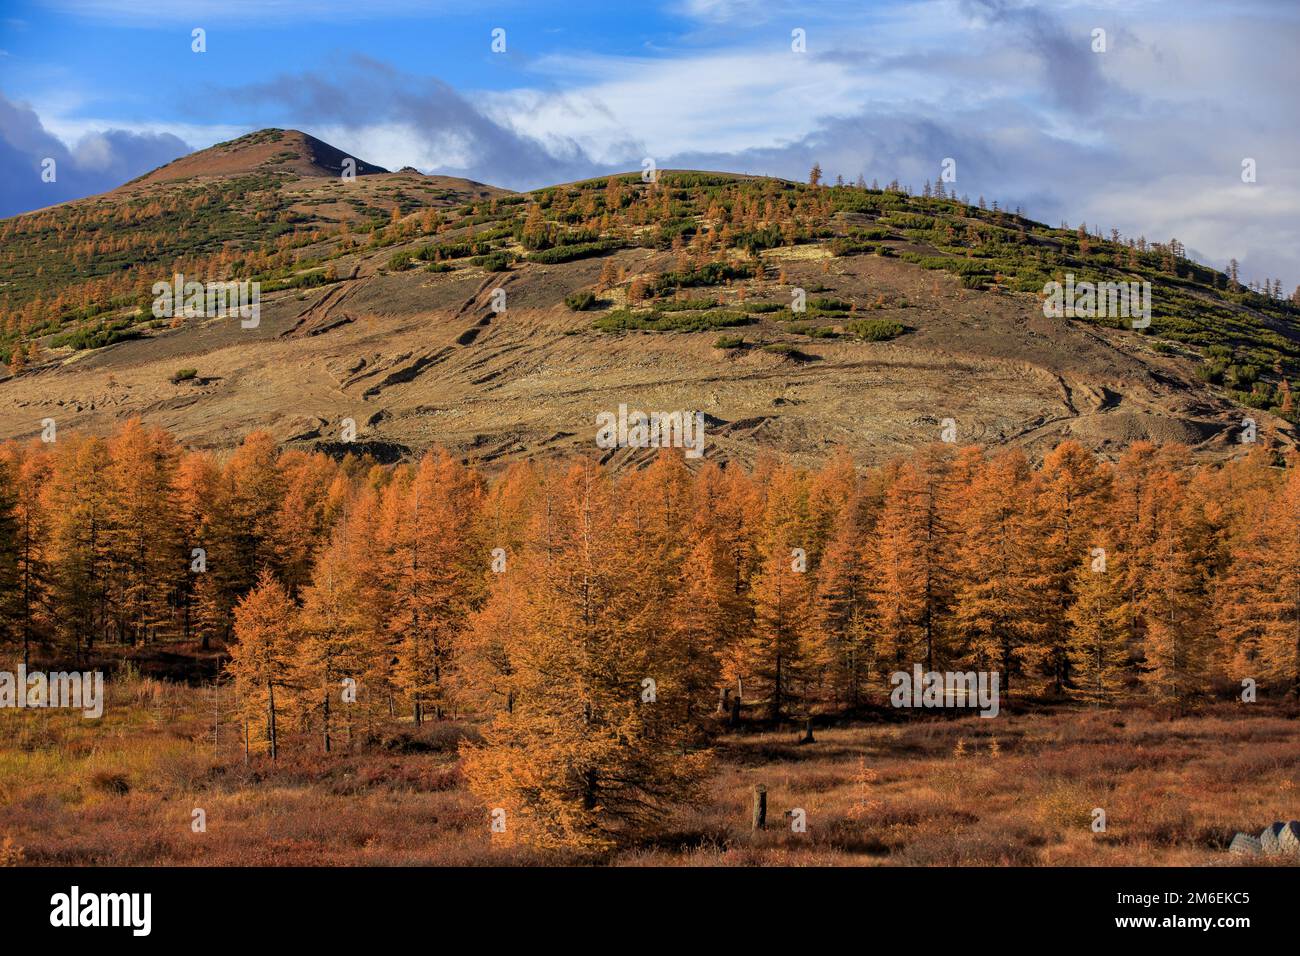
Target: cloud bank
{"x":1147,"y":136}
{"x":95,"y":163}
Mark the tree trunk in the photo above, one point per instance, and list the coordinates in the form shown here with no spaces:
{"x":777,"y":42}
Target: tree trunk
{"x":270,"y":717}
{"x":760,"y":808}
{"x":807,"y":732}
{"x":326,"y":721}
{"x":776,"y":693}
{"x":1006,"y":670}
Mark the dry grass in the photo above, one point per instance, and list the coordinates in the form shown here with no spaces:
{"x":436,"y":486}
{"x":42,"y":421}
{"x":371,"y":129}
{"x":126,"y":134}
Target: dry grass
{"x":1018,"y":790}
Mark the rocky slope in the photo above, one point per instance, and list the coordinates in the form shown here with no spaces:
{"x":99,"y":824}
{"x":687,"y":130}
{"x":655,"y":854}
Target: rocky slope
{"x":385,"y":311}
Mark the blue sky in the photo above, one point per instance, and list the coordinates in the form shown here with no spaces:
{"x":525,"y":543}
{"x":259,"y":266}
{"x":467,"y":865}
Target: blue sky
{"x":1147,"y":136}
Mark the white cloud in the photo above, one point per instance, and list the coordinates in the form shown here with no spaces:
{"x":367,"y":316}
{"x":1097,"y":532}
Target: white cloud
{"x":730,"y":101}
{"x":152,"y":12}
{"x":1147,"y":137}
{"x":198,"y":135}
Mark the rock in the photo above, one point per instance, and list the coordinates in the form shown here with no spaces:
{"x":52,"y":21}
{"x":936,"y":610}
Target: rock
{"x":1268,"y":838}
{"x":1288,"y":840}
{"x":1246,"y":844}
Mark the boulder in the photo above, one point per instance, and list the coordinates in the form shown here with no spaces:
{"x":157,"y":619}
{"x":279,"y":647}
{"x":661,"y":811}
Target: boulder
{"x":1245,"y":844}
{"x":1288,"y":840}
{"x":1268,"y":838}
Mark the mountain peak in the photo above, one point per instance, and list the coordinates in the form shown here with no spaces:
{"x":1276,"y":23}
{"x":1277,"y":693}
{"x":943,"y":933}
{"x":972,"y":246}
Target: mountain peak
{"x":266,"y":150}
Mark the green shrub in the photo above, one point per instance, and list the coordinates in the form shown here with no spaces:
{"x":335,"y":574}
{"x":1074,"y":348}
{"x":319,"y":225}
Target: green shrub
{"x":669,"y":231}
{"x":1240,"y":377}
{"x":729,"y":342}
{"x":453,"y":250}
{"x":184,"y":375}
{"x":580,"y":301}
{"x":583,"y":250}
{"x":712,"y":273}
{"x":684,"y":305}
{"x":302,"y":280}
{"x":875,"y":330}
{"x":907,"y":220}
{"x":756,"y":240}
{"x":621,"y":320}
{"x":845,"y":246}
{"x":97,"y":337}
{"x":494,"y":262}
{"x":956,"y":264}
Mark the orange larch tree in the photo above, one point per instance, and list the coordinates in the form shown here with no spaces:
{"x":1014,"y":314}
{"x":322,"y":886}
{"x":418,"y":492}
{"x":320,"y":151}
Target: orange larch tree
{"x":262,"y":656}
{"x":586,"y":758}
{"x":910,"y":580}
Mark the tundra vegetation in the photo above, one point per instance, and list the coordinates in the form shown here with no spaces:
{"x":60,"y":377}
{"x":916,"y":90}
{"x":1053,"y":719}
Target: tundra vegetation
{"x":612,"y":660}
{"x":79,"y":277}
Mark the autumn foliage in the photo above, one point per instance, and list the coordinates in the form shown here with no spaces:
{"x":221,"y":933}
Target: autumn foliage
{"x":601,"y":627}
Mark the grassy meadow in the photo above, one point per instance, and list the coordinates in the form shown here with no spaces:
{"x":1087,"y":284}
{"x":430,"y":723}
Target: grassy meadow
{"x":1016,"y":790}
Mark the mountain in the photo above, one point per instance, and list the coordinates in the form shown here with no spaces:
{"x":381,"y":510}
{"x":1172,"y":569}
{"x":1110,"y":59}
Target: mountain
{"x":378,"y":300}
{"x":268,"y":150}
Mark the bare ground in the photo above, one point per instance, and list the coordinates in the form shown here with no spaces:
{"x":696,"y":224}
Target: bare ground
{"x":419,"y":359}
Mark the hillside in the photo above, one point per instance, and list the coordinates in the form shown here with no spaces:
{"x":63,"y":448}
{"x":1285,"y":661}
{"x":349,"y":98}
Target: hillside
{"x":673,"y":295}
{"x":270,"y":150}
